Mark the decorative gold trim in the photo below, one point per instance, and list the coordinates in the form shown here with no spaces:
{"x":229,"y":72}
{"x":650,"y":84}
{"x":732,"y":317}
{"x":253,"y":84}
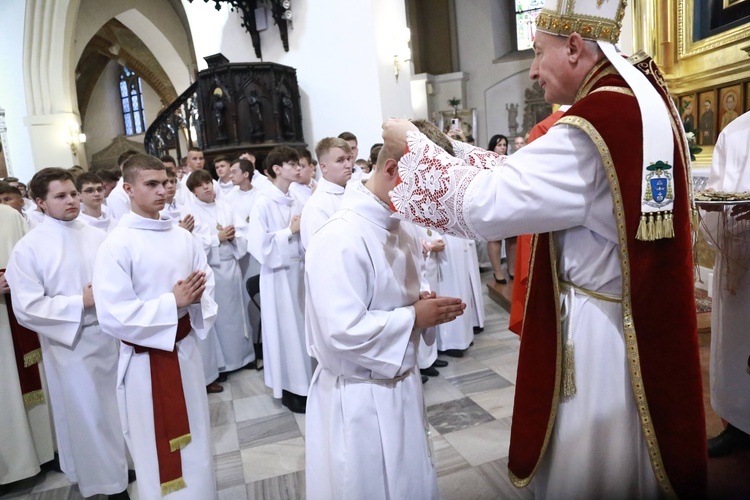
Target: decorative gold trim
{"x":589,"y":81}
{"x":522,"y":482}
{"x":33,"y":398}
{"x":627,"y":314}
{"x":179,"y":443}
{"x":611,"y":88}
{"x":172,"y":486}
{"x":687,"y":47}
{"x":32,"y":358}
{"x":589,"y":27}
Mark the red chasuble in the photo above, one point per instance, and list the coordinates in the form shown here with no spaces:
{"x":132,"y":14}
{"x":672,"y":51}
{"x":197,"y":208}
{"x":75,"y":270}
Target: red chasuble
{"x":658,"y":317}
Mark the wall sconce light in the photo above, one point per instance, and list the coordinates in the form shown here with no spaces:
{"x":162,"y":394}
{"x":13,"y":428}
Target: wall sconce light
{"x":402,"y":50}
{"x":74,"y":137}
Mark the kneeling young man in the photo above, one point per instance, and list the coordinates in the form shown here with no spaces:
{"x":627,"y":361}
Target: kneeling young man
{"x":365,"y":315}
{"x":154,"y":288}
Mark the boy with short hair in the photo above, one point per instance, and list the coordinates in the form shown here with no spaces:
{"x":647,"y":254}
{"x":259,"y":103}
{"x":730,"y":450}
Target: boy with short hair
{"x":335,"y":157}
{"x":118,"y":201}
{"x":303,"y":189}
{"x":174,"y":209}
{"x":274,"y":226}
{"x":224,"y":249}
{"x":91,"y":191}
{"x":157,"y":303}
{"x":11,"y":196}
{"x":225,"y":185}
{"x":50,"y":273}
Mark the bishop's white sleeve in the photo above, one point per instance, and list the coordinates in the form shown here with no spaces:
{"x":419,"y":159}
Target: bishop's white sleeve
{"x":269,"y":247}
{"x":58,"y":318}
{"x":547,"y":186}
{"x":337,"y":313}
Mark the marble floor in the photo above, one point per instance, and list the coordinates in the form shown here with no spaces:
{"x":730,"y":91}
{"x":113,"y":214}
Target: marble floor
{"x":259,"y":446}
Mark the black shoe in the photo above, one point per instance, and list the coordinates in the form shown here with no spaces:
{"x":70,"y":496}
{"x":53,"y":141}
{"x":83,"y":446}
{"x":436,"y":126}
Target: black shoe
{"x":499,"y":281}
{"x":123,"y":495}
{"x":453,"y":353}
{"x":295,"y":403}
{"x":214,"y":388}
{"x":430,"y":372}
{"x":511,"y":277}
{"x":52,"y":465}
{"x":440,"y":363}
{"x":131,"y":476}
{"x":478,"y":330}
{"x":252,"y":365}
{"x":223,"y":377}
{"x":729,"y":441}
{"x":425,"y":378}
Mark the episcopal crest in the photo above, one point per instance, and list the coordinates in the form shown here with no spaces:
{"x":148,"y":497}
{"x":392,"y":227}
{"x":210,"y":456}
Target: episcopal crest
{"x":658,"y":185}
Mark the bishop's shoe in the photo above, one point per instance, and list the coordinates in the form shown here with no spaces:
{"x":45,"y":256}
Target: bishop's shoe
{"x":729,"y":441}
{"x":430,"y":372}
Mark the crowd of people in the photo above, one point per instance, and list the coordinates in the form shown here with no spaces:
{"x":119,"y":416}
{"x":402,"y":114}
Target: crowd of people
{"x":163,"y":249}
{"x":136,"y":302}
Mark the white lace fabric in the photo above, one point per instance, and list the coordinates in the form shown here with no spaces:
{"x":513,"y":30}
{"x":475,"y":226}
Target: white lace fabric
{"x":435,"y":185}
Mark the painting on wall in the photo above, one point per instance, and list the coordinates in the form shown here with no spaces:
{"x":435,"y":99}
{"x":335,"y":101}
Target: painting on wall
{"x":730,"y":105}
{"x":707,"y":118}
{"x":688,"y":112}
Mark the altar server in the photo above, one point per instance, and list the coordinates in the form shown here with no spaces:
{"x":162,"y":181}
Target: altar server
{"x":154,"y":290}
{"x":50,"y":274}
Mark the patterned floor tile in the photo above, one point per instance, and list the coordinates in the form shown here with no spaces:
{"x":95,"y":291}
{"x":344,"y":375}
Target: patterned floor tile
{"x":456,"y":415}
{"x":286,"y":487}
{"x":222,"y":413}
{"x":257,"y":407}
{"x":466,"y":484}
{"x":445,"y":457}
{"x":229,"y":470}
{"x":225,"y":439}
{"x":479,"y":381}
{"x":496,"y":473}
{"x":272,"y":460}
{"x":472,"y":442}
{"x":265,"y":430}
{"x":497,"y":402}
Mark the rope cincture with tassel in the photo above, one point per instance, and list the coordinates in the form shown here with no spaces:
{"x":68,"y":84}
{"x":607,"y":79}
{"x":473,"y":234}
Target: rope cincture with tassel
{"x":569,"y":370}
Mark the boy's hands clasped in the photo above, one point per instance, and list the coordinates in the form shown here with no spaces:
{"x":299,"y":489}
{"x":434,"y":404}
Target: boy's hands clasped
{"x":190,"y":290}
{"x":431,"y":310}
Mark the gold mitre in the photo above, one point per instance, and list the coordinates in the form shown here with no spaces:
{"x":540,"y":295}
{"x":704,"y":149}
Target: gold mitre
{"x":599,"y":20}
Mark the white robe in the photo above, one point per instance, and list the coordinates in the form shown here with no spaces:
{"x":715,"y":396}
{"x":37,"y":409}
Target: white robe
{"x":133,"y":282}
{"x":286,"y":364}
{"x":319,"y":208}
{"x":302,"y":192}
{"x":103,"y":222}
{"x":118,"y":201}
{"x":242,"y":203}
{"x":730,"y":315}
{"x":476,"y":304}
{"x":365,"y":413}
{"x":452,"y":268}
{"x":25,"y":434}
{"x":232,"y":325}
{"x":80,"y":362}
{"x":34,"y":218}
{"x":224,"y":188}
{"x":558,"y":184}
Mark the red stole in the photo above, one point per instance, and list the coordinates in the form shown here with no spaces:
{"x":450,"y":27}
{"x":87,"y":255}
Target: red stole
{"x":659,"y":314}
{"x":27,"y":353}
{"x":171,"y":425}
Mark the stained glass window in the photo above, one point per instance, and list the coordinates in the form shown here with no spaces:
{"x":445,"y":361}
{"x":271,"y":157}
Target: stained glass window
{"x":131,"y":97}
{"x":526,"y":12}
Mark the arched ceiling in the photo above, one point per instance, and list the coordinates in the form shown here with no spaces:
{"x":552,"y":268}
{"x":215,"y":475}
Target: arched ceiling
{"x":115,"y":41}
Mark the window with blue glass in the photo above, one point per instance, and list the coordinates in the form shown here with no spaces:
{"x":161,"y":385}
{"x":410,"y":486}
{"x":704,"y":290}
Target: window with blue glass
{"x":131,"y":97}
{"x":525,"y":16}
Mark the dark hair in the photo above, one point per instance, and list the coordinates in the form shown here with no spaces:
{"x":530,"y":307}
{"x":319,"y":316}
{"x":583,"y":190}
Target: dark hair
{"x":39,"y":184}
{"x":87,"y":178}
{"x":374,"y":152}
{"x":434,"y":134}
{"x":246,"y":166}
{"x":139,"y":162}
{"x":6,"y":188}
{"x":193,"y":148}
{"x":197,"y":178}
{"x":278,"y":156}
{"x":348,"y":136}
{"x":171,"y":174}
{"x":494,"y":140}
{"x":168,"y":159}
{"x":305,"y":153}
{"x":124,"y":157}
{"x":222,"y":158}
{"x":10,"y":179}
{"x":107,"y":175}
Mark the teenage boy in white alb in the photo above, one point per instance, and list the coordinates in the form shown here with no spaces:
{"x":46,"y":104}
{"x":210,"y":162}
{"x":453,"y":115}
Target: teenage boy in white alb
{"x":50,"y":272}
{"x":366,"y":434}
{"x":274,"y":226}
{"x":225,"y":184}
{"x":93,"y":212}
{"x":225,"y":249}
{"x":154,"y":289}
{"x":335,"y":157}
{"x":303,"y":189}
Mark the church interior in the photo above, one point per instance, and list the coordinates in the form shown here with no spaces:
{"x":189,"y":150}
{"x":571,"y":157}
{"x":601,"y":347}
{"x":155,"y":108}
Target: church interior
{"x":86,"y":80}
